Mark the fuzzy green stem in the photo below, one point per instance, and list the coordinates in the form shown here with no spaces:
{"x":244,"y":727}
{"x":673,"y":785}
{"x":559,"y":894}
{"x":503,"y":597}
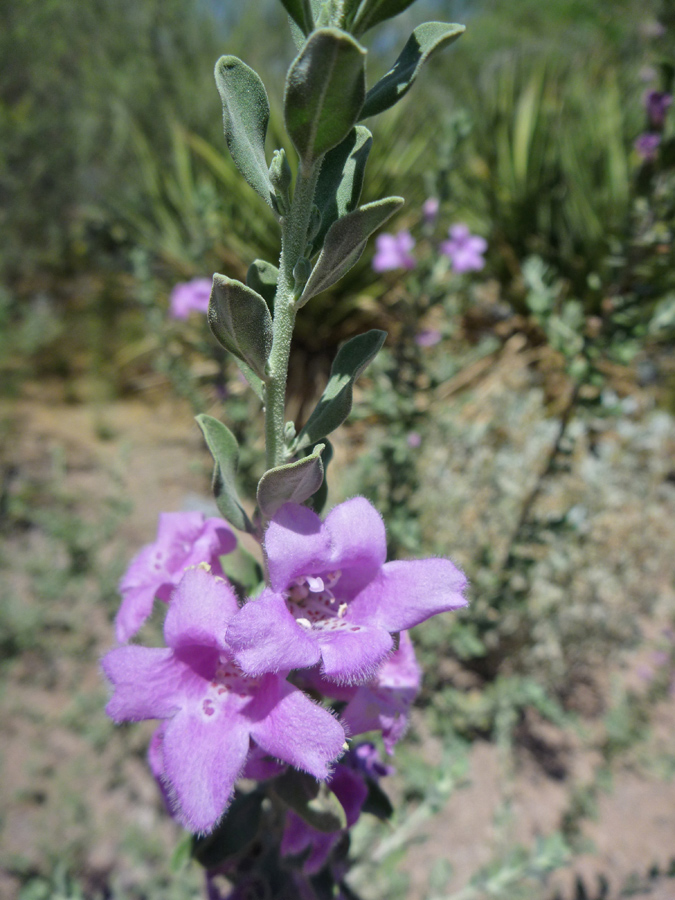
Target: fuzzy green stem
{"x":293,"y":243}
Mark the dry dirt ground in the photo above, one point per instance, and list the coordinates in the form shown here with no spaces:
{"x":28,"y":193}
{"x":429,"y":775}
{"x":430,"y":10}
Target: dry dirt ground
{"x":75,"y":788}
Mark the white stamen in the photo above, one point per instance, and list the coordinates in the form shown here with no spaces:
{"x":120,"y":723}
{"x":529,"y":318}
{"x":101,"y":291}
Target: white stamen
{"x":304,"y":622}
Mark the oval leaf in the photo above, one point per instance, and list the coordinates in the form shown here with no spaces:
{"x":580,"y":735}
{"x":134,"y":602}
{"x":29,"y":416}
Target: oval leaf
{"x":336,"y":401}
{"x":372,"y":12}
{"x":325,"y":90}
{"x":425,"y":40}
{"x":293,"y":483}
{"x":318,"y":500}
{"x":300,"y":12}
{"x":262,"y":277}
{"x":225,"y":452}
{"x":246,"y":112}
{"x":345,"y":242}
{"x":338,"y":189}
{"x":240,"y":321}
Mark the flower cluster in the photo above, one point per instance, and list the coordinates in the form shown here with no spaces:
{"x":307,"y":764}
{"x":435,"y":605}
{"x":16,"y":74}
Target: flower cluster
{"x":334,"y":612}
{"x":656,"y":105}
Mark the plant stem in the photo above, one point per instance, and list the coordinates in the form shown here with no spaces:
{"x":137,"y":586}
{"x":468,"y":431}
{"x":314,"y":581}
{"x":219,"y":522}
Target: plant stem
{"x":293,"y":241}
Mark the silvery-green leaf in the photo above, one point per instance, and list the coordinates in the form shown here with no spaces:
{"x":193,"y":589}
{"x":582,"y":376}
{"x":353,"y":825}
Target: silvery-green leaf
{"x":240,"y":320}
{"x":338,"y":189}
{"x":325,"y":90}
{"x":262,"y":278}
{"x":318,"y":500}
{"x":292,"y":483}
{"x":336,"y":401}
{"x":225,"y":452}
{"x":425,"y":40}
{"x":372,"y":12}
{"x":246,"y":112}
{"x":344,"y":243}
{"x":300,"y":12}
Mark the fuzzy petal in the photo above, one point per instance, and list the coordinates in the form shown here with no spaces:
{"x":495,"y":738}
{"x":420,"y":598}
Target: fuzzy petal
{"x":202,"y":761}
{"x":351,"y":790}
{"x":288,"y":725}
{"x":135,"y":608}
{"x":296,"y":544}
{"x":352,"y":653}
{"x":264,"y":637}
{"x":147,"y":683}
{"x":408,"y":592}
{"x":352,"y":539}
{"x":200,"y":611}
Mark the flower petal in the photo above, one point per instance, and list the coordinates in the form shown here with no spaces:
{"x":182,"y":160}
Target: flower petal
{"x":200,"y":611}
{"x":264,"y":637}
{"x":351,"y":653}
{"x":358,"y":543}
{"x":406,"y":593}
{"x":136,"y":606}
{"x":351,"y":790}
{"x":295,"y":544}
{"x":287,"y":724}
{"x":202,"y":761}
{"x":147,"y":680}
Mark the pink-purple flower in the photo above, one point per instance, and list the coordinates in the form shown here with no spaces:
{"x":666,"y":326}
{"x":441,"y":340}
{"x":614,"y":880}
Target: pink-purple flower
{"x":657,"y":104}
{"x":213,"y":712}
{"x":394,"y":251}
{"x":189,"y":296}
{"x":428,"y":337}
{"x":647,"y":146}
{"x":184,"y":539}
{"x":333,"y":599}
{"x":465,"y":250}
{"x":383,"y":703}
{"x":430,"y":209}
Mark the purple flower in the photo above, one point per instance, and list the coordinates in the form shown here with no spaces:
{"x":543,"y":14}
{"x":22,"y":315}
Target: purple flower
{"x":430,"y":210}
{"x":647,"y":145}
{"x":656,"y":103}
{"x":332,"y":597}
{"x":188,"y":296}
{"x":392,"y":251}
{"x":428,"y":337}
{"x":351,"y":790}
{"x":183,"y":539}
{"x":384,"y":702}
{"x":365,"y":758}
{"x":464,"y":249}
{"x":212,"y":710}
{"x":414,"y":440}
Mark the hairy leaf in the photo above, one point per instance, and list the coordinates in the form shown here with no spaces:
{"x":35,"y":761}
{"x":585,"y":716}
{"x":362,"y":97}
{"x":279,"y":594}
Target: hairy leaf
{"x":336,"y":401}
{"x":240,"y":320}
{"x":292,"y":483}
{"x":300,"y":12}
{"x":225,"y":452}
{"x":246,"y":112}
{"x":372,"y":12}
{"x":325,"y":90}
{"x":425,"y":40}
{"x":345,"y":242}
{"x":262,"y":278}
{"x":338,"y":189}
{"x":233,"y":834}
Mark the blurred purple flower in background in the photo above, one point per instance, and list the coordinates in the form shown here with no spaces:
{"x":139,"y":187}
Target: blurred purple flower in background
{"x":414,"y":440}
{"x":647,"y":145}
{"x":656,"y":103}
{"x":465,"y":250}
{"x":188,"y":296}
{"x":430,"y":210}
{"x":393,"y":251}
{"x":428,"y":337}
